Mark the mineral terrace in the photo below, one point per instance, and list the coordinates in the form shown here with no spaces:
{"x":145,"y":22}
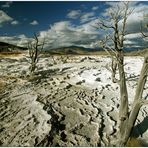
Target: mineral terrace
{"x":71,"y":103}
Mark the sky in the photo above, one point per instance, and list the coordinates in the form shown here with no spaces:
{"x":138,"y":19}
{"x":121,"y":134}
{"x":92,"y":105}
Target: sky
{"x":67,"y":23}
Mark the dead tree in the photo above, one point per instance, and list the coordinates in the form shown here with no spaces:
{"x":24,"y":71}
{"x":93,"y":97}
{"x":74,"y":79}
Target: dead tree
{"x":34,"y":48}
{"x":127,"y":117}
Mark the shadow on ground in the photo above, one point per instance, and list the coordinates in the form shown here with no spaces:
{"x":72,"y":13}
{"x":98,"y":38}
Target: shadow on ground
{"x":140,"y":129}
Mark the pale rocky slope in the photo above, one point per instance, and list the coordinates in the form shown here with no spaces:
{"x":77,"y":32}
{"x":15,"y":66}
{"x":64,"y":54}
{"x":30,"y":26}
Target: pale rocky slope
{"x":66,"y":104}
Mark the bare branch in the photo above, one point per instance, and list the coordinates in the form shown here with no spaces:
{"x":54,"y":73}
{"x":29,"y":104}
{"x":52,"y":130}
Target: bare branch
{"x":141,"y":30}
{"x":102,"y":25}
{"x":125,"y":16}
{"x":127,"y":120}
{"x":34,"y":48}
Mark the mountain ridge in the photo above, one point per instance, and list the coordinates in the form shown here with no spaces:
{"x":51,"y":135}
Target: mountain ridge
{"x":7,"y":47}
{"x":70,"y":50}
{"x":73,"y":50}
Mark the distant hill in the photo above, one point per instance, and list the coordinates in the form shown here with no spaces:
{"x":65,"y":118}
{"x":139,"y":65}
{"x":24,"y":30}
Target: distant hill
{"x":6,"y":47}
{"x":141,"y":52}
{"x":74,"y":50}
{"x":71,"y":50}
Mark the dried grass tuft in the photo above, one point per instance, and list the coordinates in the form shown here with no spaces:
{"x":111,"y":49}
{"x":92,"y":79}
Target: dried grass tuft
{"x":133,"y":142}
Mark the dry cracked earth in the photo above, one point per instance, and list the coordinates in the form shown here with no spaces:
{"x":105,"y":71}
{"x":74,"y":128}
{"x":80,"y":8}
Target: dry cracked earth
{"x":69,"y":104}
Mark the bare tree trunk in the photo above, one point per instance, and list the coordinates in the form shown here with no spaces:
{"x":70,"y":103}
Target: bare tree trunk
{"x":32,"y":67}
{"x":136,"y":105}
{"x":126,"y":118}
{"x":34,"y":49}
{"x":123,"y":111}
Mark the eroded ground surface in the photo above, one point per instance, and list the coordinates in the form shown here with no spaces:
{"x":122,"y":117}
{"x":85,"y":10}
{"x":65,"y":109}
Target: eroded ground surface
{"x":65,"y":104}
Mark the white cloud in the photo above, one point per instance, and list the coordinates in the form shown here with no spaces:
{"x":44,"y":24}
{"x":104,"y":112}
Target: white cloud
{"x":133,"y":36}
{"x":128,"y":42}
{"x":34,"y":22}
{"x":4,"y":17}
{"x":138,"y":13}
{"x":14,"y":22}
{"x":87,"y":17}
{"x":135,"y":40}
{"x":63,"y":34}
{"x":95,"y":8}
{"x":7,"y":4}
{"x":134,"y":20}
{"x":20,"y":40}
{"x":74,"y":14}
{"x":115,"y":4}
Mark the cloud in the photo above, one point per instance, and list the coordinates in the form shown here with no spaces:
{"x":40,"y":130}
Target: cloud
{"x":64,"y":33}
{"x":14,"y":22}
{"x":130,"y":39}
{"x":133,"y":26}
{"x":134,"y":19}
{"x":95,"y":8}
{"x":87,"y":17}
{"x":134,"y":38}
{"x":34,"y":22}
{"x":4,"y":17}
{"x":115,"y":4}
{"x":7,"y":4}
{"x":74,"y":14}
{"x":84,"y":17}
{"x":20,"y":40}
